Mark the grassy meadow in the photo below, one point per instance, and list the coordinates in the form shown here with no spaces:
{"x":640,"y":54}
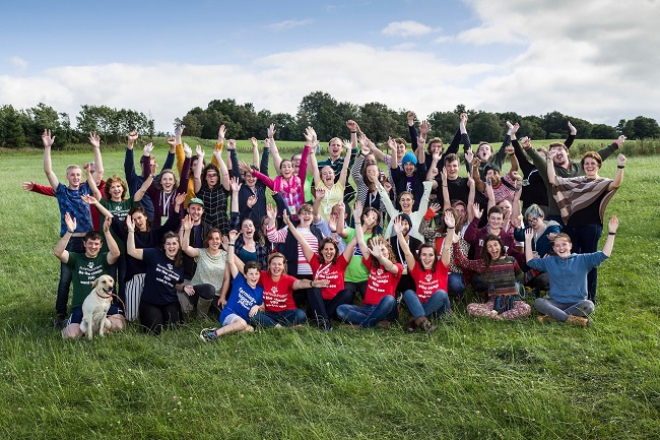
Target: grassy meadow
{"x":472,"y":378}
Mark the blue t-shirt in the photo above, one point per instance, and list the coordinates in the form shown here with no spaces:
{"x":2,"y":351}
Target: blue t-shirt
{"x":69,"y":201}
{"x":568,"y":276}
{"x":160,"y":278}
{"x":242,"y":298}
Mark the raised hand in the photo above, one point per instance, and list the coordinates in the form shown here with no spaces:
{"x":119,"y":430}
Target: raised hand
{"x":529,"y":234}
{"x":180,"y":198}
{"x":469,"y":156}
{"x":450,"y":221}
{"x":94,"y":139}
{"x":320,"y":193}
{"x":376,"y":250}
{"x":509,"y":150}
{"x":271,"y":131}
{"x":619,"y":141}
{"x":397,"y":224}
{"x":255,"y":143}
{"x":477,"y":210}
{"x":28,"y":186}
{"x":476,"y":162}
{"x":516,"y":176}
{"x":357,"y":211}
{"x":271,"y":213}
{"x":347,"y":144}
{"x":233,"y":235}
{"x":244,"y":166}
{"x":424,"y":128}
{"x":106,"y":224}
{"x":89,"y":199}
{"x":222,"y":131}
{"x":148,"y":149}
{"x":552,"y":153}
{"x":231,"y":144}
{"x":187,"y":223}
{"x":47,"y":139}
{"x":621,"y":160}
{"x":526,"y":143}
{"x":235,"y":184}
{"x":178,"y":132}
{"x":464,"y":119}
{"x":411,"y":118}
{"x":187,"y":150}
{"x":171,"y":141}
{"x":130,"y":224}
{"x":435,"y":207}
{"x":70,"y":222}
{"x":364,"y":142}
{"x":351,"y":125}
{"x":132,"y":137}
{"x":251,"y":201}
{"x":613,"y":224}
{"x":200,"y":152}
{"x":332,"y":222}
{"x":391,"y":144}
{"x":572,"y":129}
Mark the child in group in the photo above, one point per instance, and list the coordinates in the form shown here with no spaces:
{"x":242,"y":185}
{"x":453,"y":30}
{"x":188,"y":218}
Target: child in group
{"x":244,"y":301}
{"x":568,"y":277}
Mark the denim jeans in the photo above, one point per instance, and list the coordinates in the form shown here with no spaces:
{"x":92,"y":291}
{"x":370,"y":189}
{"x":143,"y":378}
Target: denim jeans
{"x":561,"y":311}
{"x":369,"y":316}
{"x":284,"y":318}
{"x":75,"y":245}
{"x":456,"y":285}
{"x":585,"y":240}
{"x":438,"y":303}
{"x":322,"y":310}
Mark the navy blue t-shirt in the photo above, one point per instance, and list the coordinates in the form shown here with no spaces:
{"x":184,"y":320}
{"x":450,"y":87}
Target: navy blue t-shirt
{"x":160,"y":278}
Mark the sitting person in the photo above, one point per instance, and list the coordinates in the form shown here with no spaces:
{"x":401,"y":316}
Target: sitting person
{"x":244,"y":301}
{"x":85,"y":268}
{"x":568,"y":277}
{"x":499,"y":273}
{"x":379,"y":302}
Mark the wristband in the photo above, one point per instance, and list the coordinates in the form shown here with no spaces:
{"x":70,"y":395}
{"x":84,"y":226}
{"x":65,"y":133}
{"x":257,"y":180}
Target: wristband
{"x":232,"y":244}
{"x":334,"y":232}
{"x":611,"y":233}
{"x":620,"y":167}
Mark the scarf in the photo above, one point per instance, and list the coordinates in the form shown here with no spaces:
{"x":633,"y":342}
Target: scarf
{"x":576,"y":193}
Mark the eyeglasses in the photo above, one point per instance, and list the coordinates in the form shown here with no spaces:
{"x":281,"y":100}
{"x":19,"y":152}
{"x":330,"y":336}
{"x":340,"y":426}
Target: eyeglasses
{"x":211,"y":175}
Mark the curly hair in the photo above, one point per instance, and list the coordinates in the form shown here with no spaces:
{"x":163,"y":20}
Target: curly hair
{"x":390,"y":253}
{"x":322,"y":245}
{"x":111,"y":181}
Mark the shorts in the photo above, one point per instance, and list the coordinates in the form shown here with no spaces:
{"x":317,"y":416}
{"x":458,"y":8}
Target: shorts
{"x":77,"y":314}
{"x":229,"y":319}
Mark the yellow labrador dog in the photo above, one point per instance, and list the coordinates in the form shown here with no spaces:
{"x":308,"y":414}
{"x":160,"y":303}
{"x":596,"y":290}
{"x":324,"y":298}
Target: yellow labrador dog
{"x":95,"y":307}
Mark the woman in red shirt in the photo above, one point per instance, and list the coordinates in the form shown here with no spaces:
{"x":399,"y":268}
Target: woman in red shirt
{"x":328,"y":265}
{"x":430,"y":275}
{"x":384,"y":274}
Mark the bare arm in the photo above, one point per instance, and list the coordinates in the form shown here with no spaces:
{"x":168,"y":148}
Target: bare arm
{"x":130,"y":242}
{"x":224,"y":178}
{"x":48,"y":141}
{"x":612,"y":226}
{"x":231,"y":257}
{"x":410,"y":259}
{"x":95,"y":140}
{"x":92,"y":183}
{"x":139,"y":195}
{"x":113,"y":249}
{"x":185,"y":241}
{"x":277,"y":159}
{"x":60,"y":249}
{"x":197,"y":172}
{"x":618,"y":177}
{"x":306,"y":248}
{"x":347,"y":160}
{"x":359,"y":234}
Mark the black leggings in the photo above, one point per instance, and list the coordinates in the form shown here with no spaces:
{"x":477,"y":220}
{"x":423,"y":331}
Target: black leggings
{"x":156,"y":316}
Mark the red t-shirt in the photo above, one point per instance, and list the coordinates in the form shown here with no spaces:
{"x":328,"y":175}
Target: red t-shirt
{"x":278,"y":296}
{"x":429,"y":282}
{"x":332,"y":272}
{"x":381,"y":282}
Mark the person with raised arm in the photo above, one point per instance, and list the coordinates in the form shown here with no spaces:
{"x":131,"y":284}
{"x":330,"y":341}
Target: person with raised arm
{"x":365,"y":174}
{"x":165,"y":196}
{"x":384,"y":273}
{"x":136,"y":181}
{"x":329,"y":265}
{"x":86,"y":267}
{"x":213,"y":189}
{"x":324,"y":179}
{"x":69,"y":199}
{"x":210,"y":278}
{"x":250,"y":185}
{"x":146,"y":236}
{"x":485,"y":151}
{"x":337,"y":162}
{"x":568,"y":300}
{"x":245,"y":300}
{"x":582,"y":202}
{"x":411,"y":178}
{"x":248,"y":246}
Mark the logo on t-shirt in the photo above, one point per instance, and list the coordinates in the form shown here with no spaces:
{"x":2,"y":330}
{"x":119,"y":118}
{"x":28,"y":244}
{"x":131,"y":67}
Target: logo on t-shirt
{"x":428,"y":277}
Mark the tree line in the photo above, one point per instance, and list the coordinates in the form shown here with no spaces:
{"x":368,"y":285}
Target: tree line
{"x":19,"y":128}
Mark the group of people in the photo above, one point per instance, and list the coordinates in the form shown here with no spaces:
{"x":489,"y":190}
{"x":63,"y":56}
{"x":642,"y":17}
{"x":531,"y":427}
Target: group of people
{"x":201,"y":239}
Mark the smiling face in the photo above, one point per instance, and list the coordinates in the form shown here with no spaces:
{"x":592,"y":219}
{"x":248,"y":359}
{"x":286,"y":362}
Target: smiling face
{"x":328,"y":252}
{"x":334,"y":148}
{"x":452,"y":169}
{"x":427,"y":257}
{"x":484,"y":152}
{"x":405,"y":227}
{"x":494,"y":249}
{"x":92,"y":247}
{"x":561,"y":156}
{"x":167,"y":181}
{"x":74,"y":176}
{"x":562,"y":247}
{"x":215,"y":241}
{"x":328,"y":176}
{"x":195,"y":210}
{"x":506,"y":207}
{"x":495,"y":220}
{"x":295,"y":161}
{"x":276,"y":266}
{"x":590,"y":167}
{"x":286,"y":168}
{"x":460,"y":209}
{"x":247,"y":229}
{"x":116,"y":191}
{"x":171,"y":247}
{"x":406,"y":202}
{"x":306,"y":216}
{"x":493,"y":176}
{"x":409,"y":168}
{"x":400,"y":149}
{"x":435,"y":147}
{"x":252,"y":276}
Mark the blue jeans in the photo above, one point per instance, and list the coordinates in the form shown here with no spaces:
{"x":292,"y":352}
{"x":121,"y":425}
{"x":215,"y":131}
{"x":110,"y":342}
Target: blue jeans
{"x":438,"y":302}
{"x":369,"y":316}
{"x":561,"y":311}
{"x":321,"y":310}
{"x":75,"y":245}
{"x":456,"y":285}
{"x":585,"y":240}
{"x":284,"y":318}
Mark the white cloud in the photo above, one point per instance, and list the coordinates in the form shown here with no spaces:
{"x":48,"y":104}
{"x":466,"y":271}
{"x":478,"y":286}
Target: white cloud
{"x":289,"y":24}
{"x":18,"y":62}
{"x":444,"y":39}
{"x":404,"y":46}
{"x":407,"y":28}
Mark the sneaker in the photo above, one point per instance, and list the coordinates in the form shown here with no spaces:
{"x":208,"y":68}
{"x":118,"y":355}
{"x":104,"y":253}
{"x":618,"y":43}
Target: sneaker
{"x":208,"y":334}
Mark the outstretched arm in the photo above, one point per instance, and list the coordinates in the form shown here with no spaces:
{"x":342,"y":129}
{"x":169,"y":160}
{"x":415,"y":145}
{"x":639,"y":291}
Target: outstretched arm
{"x":359,"y":234}
{"x":344,"y":169}
{"x":95,"y":140}
{"x":618,"y":178}
{"x":612,"y":226}
{"x":48,"y":141}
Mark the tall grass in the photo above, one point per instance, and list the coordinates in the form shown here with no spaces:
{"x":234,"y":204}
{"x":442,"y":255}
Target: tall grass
{"x":471,"y":379}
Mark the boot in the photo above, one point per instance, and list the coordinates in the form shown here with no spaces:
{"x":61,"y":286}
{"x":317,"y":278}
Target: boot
{"x":411,"y":326}
{"x":203,"y":307}
{"x":545,"y":319}
{"x":578,"y":320}
{"x":426,"y":325}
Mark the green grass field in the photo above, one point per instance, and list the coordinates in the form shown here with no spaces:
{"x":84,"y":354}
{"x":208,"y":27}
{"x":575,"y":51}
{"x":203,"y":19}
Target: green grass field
{"x":471,"y":379}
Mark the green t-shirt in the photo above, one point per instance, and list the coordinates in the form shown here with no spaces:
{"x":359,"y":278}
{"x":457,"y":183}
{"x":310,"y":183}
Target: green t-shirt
{"x":85,"y":270}
{"x":119,"y":210}
{"x":356,"y":272}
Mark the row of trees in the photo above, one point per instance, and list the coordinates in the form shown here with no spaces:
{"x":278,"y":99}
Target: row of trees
{"x":20,"y":128}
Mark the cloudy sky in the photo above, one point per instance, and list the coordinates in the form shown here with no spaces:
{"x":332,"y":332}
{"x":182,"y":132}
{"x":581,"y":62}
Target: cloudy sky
{"x":598,"y":60}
